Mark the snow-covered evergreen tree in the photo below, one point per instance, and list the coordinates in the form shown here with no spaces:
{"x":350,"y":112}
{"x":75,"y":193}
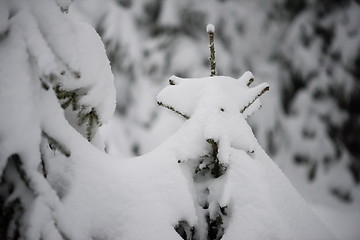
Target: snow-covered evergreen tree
{"x":227,"y":170}
{"x":149,"y":40}
{"x":47,"y":61}
{"x":291,"y":44}
{"x":57,"y":88}
{"x":212,"y":163}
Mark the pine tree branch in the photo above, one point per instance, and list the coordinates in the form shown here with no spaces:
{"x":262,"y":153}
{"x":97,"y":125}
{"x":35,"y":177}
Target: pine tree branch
{"x":184,"y":229}
{"x":218,"y":168}
{"x":265,"y":89}
{"x":17,"y":203}
{"x":53,"y":142}
{"x":92,"y":119}
{"x":15,"y":158}
{"x":43,"y":165}
{"x":250,"y":81}
{"x":69,"y":97}
{"x":172,"y":109}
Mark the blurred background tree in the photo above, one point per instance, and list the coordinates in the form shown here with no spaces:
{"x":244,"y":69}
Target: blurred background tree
{"x":309,"y":52}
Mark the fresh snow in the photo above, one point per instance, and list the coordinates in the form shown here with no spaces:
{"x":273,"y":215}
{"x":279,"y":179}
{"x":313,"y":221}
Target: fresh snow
{"x":41,"y":48}
{"x":257,"y":35}
{"x":91,"y":195}
{"x":146,"y":196}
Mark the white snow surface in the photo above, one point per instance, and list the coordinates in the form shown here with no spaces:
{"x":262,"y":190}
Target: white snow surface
{"x":41,"y":46}
{"x":91,"y":195}
{"x":145,"y":197}
{"x":248,"y":36}
{"x":73,"y":51}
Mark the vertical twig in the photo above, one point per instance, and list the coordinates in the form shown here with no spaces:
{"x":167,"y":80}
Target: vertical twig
{"x":210,"y":30}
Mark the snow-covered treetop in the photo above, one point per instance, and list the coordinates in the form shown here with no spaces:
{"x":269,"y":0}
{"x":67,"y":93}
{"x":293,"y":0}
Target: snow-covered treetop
{"x":216,"y":108}
{"x":218,"y":93}
{"x":220,"y":105}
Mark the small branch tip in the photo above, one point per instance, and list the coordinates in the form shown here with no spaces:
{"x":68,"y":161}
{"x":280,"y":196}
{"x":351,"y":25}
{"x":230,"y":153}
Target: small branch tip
{"x":210,"y":28}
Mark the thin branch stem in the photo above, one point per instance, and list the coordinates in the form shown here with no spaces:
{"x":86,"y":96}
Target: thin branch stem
{"x":172,"y":109}
{"x":257,"y":96}
{"x":64,"y":150}
{"x":210,"y":29}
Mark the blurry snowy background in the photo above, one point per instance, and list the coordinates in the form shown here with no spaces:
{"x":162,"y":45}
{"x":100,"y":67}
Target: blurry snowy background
{"x":308,"y":51}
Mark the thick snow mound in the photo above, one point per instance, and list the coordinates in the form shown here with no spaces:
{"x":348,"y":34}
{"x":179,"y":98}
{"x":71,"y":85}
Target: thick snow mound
{"x":147,"y":197}
{"x":229,"y":94}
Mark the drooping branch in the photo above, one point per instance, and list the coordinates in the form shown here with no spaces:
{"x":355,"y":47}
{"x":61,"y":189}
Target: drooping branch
{"x":210,"y":30}
{"x":92,"y":120}
{"x":14,"y":208}
{"x":71,"y":98}
{"x":15,"y":158}
{"x":68,"y":98}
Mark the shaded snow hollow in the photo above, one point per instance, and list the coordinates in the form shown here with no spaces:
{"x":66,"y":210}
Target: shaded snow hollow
{"x":145,"y":197}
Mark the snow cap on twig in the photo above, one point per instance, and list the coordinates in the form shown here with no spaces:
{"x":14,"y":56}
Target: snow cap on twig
{"x":210,"y":28}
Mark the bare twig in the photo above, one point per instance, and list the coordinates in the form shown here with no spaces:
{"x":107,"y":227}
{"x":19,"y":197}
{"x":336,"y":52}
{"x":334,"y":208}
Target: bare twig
{"x":265,"y":89}
{"x":210,"y":30}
